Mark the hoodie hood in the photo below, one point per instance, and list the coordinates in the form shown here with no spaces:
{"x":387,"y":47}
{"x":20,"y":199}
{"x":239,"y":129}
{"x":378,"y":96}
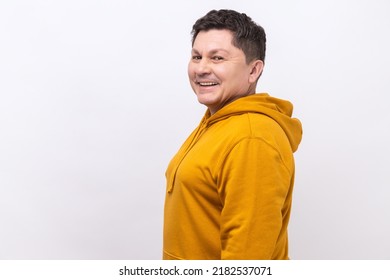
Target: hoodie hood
{"x":277,"y":109}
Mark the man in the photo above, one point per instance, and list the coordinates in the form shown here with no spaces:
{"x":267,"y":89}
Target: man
{"x":229,"y":187}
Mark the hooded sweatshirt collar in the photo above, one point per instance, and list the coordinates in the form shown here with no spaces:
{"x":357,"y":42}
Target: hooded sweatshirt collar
{"x":278,"y":109}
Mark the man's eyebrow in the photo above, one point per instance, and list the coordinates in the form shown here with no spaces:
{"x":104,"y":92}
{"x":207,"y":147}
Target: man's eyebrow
{"x":212,"y":51}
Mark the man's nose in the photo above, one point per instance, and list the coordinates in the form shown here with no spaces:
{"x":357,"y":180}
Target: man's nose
{"x":203,"y":67}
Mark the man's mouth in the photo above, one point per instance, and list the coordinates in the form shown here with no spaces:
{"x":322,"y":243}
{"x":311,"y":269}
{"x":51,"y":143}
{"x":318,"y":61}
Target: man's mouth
{"x":207,"y":84}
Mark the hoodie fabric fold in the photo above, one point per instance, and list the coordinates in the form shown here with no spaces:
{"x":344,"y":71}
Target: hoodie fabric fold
{"x":229,"y":187}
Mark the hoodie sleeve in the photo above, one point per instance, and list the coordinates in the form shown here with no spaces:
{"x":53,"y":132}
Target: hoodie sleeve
{"x":256,"y":198}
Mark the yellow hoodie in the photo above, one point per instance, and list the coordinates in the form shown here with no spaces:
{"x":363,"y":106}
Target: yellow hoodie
{"x":229,"y":187}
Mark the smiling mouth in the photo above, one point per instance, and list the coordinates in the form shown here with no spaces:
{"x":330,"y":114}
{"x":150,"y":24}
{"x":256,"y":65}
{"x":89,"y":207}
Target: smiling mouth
{"x":207,"y":84}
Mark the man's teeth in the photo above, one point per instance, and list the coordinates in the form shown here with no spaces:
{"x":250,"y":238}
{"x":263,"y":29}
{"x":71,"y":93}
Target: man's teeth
{"x":208,"y":84}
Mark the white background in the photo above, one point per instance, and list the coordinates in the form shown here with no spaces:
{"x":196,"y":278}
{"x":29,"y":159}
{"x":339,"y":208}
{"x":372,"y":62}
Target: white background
{"x":95,"y":100}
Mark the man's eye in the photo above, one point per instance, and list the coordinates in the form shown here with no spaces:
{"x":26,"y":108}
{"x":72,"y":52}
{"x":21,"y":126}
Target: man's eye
{"x":217,"y":58}
{"x":196,"y":57}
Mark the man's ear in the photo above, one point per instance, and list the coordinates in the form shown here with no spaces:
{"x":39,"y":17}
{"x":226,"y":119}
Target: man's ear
{"x":256,"y":70}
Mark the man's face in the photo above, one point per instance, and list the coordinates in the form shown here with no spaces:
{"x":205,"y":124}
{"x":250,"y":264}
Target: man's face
{"x":218,"y":71}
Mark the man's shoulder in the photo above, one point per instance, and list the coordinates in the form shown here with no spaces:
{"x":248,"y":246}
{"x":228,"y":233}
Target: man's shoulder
{"x":250,"y":124}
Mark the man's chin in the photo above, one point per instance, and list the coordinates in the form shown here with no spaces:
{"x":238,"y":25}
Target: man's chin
{"x":204,"y":100}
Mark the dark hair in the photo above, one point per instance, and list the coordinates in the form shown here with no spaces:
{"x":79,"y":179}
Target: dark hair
{"x":247,"y":35}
